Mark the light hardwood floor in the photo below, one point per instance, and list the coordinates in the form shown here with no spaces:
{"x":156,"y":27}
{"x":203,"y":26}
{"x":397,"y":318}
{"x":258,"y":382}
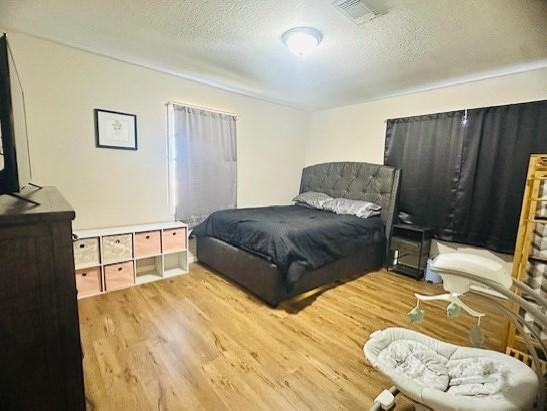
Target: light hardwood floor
{"x":198,"y":342}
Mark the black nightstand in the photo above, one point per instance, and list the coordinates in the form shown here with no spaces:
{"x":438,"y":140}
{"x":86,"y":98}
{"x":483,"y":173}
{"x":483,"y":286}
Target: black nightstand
{"x":412,"y":244}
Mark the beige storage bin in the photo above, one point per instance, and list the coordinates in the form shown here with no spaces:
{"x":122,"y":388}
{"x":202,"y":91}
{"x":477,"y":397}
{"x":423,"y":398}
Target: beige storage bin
{"x":117,"y":248}
{"x":86,"y":252}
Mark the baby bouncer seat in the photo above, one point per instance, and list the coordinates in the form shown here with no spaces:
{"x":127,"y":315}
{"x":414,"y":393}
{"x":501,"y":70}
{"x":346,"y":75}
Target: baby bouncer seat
{"x":445,"y":376}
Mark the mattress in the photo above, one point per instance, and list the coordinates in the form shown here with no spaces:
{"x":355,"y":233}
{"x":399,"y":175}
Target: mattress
{"x":294,"y":238}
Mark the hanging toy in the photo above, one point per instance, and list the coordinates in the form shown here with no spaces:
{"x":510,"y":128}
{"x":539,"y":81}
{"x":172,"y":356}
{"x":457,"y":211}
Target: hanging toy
{"x":453,"y":310}
{"x":416,"y":315}
{"x":476,"y":336}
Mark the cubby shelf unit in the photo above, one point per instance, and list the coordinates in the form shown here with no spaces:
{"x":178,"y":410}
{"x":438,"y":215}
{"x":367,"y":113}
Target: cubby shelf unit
{"x":110,"y":259}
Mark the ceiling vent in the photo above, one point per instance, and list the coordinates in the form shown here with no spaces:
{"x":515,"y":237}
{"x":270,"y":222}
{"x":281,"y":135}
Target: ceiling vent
{"x":356,"y":10}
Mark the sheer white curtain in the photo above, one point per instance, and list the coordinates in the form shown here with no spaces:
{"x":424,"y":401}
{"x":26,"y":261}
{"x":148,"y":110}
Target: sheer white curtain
{"x":204,"y":163}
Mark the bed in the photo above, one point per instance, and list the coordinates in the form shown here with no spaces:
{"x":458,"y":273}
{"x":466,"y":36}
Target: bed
{"x":281,"y":251}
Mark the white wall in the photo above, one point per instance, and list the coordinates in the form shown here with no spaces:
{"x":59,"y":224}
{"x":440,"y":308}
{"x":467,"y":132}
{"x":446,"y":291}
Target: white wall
{"x":115,"y":187}
{"x":357,"y":132}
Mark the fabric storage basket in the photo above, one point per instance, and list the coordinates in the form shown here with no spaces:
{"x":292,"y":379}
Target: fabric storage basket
{"x":174,"y":240}
{"x":117,"y":248}
{"x":118,"y":276}
{"x":88,"y":281}
{"x":86,"y":252}
{"x":147,"y":244}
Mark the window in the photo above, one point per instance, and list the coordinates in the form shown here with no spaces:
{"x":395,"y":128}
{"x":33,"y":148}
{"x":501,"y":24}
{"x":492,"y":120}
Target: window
{"x":464,"y":172}
{"x":203,"y":162}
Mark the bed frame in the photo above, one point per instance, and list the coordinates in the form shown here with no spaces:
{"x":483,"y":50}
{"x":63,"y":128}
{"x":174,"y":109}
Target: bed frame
{"x":358,"y":181}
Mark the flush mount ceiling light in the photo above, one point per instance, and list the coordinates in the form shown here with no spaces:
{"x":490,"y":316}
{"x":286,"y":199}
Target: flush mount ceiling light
{"x":302,"y":40}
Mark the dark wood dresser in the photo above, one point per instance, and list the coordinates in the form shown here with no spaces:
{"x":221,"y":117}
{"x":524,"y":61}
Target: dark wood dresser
{"x":40,"y":352}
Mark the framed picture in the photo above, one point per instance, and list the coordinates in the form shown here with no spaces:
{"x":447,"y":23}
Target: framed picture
{"x":115,"y":130}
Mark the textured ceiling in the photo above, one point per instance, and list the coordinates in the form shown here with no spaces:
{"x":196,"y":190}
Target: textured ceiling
{"x":236,"y":44}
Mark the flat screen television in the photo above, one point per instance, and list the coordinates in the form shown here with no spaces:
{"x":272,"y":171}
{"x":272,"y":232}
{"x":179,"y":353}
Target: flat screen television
{"x":15,"y":172}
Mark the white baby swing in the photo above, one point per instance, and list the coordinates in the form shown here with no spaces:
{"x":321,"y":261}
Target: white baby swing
{"x":444,"y":376}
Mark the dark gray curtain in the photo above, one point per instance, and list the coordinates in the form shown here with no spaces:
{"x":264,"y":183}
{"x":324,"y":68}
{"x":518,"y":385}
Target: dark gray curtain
{"x":428,"y":151}
{"x":464,"y":175}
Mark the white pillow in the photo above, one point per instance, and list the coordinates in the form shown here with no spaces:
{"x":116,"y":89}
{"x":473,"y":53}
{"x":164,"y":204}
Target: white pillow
{"x":362,"y":209}
{"x":313,"y":199}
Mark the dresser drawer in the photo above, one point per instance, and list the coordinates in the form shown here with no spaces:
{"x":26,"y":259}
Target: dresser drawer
{"x":147,"y":244}
{"x":86,"y":252}
{"x":174,"y":240}
{"x":88,"y":281}
{"x":117,"y":276}
{"x":117,"y":248}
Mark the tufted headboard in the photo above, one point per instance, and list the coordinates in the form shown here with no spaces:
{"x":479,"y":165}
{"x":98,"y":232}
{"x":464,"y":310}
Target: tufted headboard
{"x":357,"y":181}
